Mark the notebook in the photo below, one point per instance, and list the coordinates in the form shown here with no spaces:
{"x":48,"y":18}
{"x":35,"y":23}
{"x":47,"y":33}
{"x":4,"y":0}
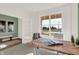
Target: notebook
{"x":50,"y":42}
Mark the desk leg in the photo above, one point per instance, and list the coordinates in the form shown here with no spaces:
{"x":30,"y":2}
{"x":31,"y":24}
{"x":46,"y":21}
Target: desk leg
{"x":0,"y":40}
{"x":10,"y":38}
{"x":35,"y":52}
{"x":57,"y":53}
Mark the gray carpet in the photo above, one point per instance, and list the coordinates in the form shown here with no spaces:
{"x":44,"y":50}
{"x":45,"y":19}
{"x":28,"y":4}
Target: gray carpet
{"x":20,"y":49}
{"x":10,"y":43}
{"x":25,"y":49}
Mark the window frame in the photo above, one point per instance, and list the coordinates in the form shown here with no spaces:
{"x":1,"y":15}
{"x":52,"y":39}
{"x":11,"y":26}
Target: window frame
{"x":49,"y":31}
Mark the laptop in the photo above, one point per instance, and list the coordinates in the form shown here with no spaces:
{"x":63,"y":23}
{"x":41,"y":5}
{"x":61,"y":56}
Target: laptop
{"x":50,"y":42}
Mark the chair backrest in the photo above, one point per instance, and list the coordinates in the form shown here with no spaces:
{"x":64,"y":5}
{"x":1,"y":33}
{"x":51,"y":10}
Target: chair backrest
{"x":36,"y":36}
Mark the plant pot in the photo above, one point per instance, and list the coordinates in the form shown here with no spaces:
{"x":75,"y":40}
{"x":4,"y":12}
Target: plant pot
{"x":77,"y":46}
{"x":77,"y":42}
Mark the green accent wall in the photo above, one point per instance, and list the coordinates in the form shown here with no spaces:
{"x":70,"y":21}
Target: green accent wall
{"x":13,"y":19}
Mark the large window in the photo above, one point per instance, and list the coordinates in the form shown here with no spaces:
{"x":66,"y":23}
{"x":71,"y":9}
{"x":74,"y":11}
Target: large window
{"x":52,"y":27}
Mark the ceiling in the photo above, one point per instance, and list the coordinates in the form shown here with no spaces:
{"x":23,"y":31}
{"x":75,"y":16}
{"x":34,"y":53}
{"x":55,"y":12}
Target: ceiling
{"x":30,"y":7}
{"x":23,"y":9}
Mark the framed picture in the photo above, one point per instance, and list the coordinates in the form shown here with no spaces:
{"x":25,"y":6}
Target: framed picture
{"x":10,"y":26}
{"x":2,"y":26}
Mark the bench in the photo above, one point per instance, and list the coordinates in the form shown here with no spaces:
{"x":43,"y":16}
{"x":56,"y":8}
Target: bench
{"x":5,"y":37}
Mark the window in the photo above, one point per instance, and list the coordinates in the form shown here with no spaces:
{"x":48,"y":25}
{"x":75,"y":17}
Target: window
{"x":52,"y":26}
{"x":56,"y":25}
{"x":45,"y":25}
{"x":2,"y":26}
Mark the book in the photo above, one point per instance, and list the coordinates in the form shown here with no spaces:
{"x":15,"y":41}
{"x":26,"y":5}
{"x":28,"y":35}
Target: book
{"x":50,"y":42}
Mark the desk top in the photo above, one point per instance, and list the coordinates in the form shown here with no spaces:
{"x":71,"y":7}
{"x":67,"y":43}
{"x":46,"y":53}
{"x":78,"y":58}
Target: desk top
{"x":66,"y":48}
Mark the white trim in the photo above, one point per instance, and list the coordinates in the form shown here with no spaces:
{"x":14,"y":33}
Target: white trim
{"x":26,"y":39}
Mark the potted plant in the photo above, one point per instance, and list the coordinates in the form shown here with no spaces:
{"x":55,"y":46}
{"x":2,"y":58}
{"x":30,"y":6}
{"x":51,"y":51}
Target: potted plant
{"x":72,"y":39}
{"x":77,"y":42}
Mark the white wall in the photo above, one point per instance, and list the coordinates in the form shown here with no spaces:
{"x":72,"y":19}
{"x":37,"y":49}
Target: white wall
{"x":29,"y":23}
{"x":24,"y":25}
{"x":75,"y":20}
{"x":69,"y":15}
{"x":26,"y":30}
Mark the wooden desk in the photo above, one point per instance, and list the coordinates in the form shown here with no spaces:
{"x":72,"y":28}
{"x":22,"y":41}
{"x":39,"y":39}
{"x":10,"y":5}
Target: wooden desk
{"x":66,"y":48}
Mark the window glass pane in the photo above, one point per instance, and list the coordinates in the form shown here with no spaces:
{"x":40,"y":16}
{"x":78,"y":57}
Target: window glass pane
{"x":56,"y":21}
{"x":45,"y":28}
{"x":52,"y":28}
{"x":56,"y":25}
{"x":56,"y":28}
{"x":45,"y":25}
